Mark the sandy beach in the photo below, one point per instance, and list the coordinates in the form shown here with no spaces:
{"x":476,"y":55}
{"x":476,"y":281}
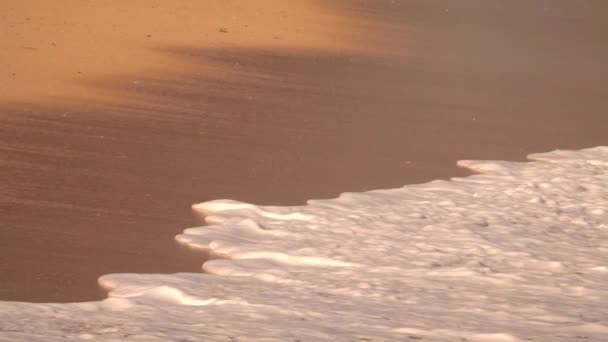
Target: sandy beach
{"x":115,"y":117}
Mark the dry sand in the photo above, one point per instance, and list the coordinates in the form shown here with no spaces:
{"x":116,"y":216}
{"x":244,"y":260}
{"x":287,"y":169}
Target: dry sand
{"x":115,"y":116}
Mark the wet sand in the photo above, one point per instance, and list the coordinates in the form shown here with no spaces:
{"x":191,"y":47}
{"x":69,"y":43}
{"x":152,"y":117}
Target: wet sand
{"x":103,"y":154}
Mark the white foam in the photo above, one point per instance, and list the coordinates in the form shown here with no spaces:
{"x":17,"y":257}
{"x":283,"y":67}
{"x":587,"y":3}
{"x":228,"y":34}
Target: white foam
{"x":518,"y":252}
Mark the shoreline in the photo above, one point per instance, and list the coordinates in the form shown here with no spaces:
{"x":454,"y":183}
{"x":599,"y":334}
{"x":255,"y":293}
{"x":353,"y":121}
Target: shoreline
{"x":512,"y":246}
{"x":103,"y":171}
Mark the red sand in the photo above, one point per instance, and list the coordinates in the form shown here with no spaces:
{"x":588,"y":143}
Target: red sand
{"x":140,"y":110}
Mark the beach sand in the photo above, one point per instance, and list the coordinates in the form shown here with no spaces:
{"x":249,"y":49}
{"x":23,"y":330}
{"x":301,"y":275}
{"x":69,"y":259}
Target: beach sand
{"x":116,"y":117}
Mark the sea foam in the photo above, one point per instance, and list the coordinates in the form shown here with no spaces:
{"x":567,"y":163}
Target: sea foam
{"x":514,"y":253}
